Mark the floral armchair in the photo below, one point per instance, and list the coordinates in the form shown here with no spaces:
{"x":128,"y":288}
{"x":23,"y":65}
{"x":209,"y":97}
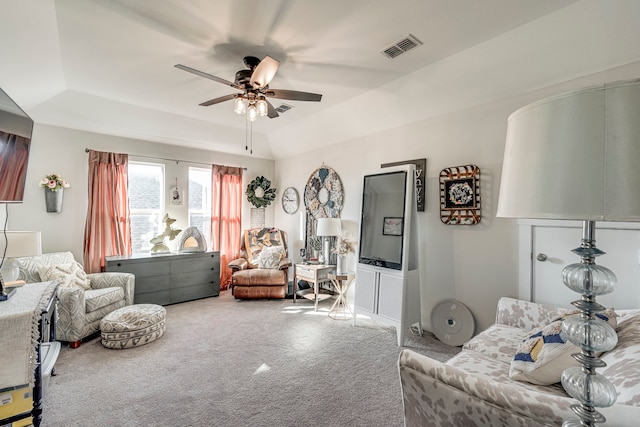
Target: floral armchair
{"x":262,"y":271}
{"x":83,"y":299}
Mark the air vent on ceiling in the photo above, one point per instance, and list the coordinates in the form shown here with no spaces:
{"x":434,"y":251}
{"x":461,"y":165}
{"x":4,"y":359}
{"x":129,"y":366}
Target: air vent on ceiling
{"x":401,"y":46}
{"x":283,"y":108}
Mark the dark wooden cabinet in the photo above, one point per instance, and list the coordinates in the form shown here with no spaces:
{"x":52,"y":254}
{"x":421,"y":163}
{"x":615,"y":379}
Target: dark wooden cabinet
{"x":170,"y":278}
{"x":34,"y":303}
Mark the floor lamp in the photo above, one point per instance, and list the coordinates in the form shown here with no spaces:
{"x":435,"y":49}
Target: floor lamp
{"x":575,"y":157}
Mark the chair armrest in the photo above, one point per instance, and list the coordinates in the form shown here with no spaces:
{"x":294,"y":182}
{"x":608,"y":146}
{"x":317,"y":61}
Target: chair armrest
{"x":126,"y":281}
{"x":526,"y":315}
{"x":432,"y":390}
{"x":284,"y":264}
{"x":238,"y":264}
{"x":70,"y":312}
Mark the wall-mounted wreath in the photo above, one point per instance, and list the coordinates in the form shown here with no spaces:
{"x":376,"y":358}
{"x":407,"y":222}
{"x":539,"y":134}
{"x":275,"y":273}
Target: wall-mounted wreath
{"x":259,"y":194}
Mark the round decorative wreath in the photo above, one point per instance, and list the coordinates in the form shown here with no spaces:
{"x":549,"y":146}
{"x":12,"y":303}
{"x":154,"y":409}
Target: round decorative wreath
{"x":261,"y":184}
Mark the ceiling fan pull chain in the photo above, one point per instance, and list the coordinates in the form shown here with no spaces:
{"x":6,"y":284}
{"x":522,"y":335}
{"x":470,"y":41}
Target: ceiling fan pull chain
{"x":246,"y":136}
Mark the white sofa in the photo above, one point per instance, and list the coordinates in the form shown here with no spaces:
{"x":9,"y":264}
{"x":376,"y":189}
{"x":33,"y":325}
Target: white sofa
{"x":80,"y":310}
{"x":474,"y":389}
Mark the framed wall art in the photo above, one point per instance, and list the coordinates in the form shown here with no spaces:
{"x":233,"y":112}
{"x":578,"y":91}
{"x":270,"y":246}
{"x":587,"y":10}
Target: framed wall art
{"x":323,"y":194}
{"x":460,"y":195}
{"x":392,"y":226}
{"x":175,"y":196}
{"x":323,"y":198}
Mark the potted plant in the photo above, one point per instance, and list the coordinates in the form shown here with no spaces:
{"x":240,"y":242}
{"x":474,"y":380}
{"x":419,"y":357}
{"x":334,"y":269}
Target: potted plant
{"x":344,"y":245}
{"x":54,"y":185}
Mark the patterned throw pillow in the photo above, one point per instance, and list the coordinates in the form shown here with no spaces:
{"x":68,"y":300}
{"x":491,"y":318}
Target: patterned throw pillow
{"x":544,"y":355}
{"x":69,"y":275}
{"x":270,"y":257}
{"x":256,"y":239}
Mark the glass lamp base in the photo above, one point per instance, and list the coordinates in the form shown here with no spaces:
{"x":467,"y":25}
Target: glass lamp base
{"x":10,"y":270}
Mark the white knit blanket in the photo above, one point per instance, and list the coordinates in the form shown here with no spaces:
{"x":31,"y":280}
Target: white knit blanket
{"x":19,"y":317}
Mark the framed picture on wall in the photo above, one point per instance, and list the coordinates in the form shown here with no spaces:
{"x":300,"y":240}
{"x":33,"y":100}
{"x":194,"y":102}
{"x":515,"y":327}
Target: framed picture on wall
{"x":460,"y":195}
{"x":175,"y":196}
{"x":392,"y":226}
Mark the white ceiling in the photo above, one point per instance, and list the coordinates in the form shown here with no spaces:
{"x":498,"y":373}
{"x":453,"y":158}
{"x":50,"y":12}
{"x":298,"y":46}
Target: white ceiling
{"x":108,"y":65}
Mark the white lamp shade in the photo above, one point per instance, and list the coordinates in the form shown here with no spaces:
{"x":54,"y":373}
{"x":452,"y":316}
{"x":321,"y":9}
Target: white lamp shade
{"x":575,"y":156}
{"x":328,"y":227}
{"x":20,"y":244}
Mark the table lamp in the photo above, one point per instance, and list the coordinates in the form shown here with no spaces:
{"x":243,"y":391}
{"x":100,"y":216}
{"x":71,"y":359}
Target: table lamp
{"x":327,"y":228}
{"x":14,"y":244}
{"x":575,"y":156}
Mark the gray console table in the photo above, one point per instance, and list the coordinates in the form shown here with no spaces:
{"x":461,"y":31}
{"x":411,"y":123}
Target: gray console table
{"x":170,"y":278}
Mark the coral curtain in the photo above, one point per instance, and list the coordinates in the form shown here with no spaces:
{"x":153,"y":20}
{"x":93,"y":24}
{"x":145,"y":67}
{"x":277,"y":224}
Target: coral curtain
{"x":226,"y":216}
{"x":107,"y":229}
{"x":14,"y":155}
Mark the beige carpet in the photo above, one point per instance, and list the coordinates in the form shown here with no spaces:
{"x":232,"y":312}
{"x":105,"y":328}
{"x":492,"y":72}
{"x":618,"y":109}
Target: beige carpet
{"x":226,"y":362}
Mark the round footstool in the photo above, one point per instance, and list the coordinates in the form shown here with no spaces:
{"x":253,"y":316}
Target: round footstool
{"x":133,"y":326}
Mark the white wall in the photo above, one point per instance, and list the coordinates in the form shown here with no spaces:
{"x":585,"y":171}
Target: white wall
{"x":473,"y":264}
{"x":62,"y":151}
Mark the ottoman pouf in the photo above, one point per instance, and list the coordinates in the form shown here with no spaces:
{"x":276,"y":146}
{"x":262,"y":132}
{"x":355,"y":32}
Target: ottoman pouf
{"x":133,"y":325}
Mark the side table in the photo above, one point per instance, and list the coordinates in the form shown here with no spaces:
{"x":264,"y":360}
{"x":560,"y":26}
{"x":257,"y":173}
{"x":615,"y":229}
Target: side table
{"x":314,"y":273}
{"x":340,"y":309}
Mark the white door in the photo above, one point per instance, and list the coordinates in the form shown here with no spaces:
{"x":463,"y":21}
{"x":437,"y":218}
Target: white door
{"x":551,"y":249}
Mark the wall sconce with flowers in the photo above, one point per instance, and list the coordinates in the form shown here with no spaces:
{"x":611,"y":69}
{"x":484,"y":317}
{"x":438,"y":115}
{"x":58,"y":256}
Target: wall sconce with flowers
{"x":53,"y":185}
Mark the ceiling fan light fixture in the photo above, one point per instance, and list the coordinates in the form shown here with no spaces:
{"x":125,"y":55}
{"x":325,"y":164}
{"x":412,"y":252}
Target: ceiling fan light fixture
{"x":261,"y":104}
{"x":252,"y":112}
{"x":240,"y":105}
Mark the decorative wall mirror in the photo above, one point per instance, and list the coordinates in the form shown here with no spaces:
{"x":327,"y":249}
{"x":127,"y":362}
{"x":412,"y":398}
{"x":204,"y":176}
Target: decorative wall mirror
{"x":460,"y":195}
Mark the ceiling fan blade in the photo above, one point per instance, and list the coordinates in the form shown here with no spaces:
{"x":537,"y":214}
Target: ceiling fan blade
{"x":271,"y":111}
{"x":208,"y":76}
{"x":218,"y":100}
{"x":293,"y":95}
{"x":264,"y":72}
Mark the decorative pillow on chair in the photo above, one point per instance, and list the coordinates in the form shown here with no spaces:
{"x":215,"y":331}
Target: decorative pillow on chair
{"x":544,"y":355}
{"x":256,"y":239}
{"x":69,"y":275}
{"x":270,"y":257}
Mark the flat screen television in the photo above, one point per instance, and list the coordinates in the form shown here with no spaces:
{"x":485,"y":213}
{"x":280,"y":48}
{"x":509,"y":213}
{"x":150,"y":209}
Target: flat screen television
{"x":16,"y":128}
{"x":382,"y":219}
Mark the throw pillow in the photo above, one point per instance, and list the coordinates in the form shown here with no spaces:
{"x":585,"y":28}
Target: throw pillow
{"x":258,"y":238}
{"x":270,"y":257}
{"x":544,"y":355}
{"x":69,"y":275}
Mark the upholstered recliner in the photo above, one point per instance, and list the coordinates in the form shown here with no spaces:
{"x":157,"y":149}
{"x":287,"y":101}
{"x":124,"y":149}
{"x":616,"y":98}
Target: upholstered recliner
{"x":83,"y":299}
{"x":262,"y":271}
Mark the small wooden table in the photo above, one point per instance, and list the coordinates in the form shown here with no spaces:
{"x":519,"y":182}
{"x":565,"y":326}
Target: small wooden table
{"x":340,"y":310}
{"x":316,"y":274}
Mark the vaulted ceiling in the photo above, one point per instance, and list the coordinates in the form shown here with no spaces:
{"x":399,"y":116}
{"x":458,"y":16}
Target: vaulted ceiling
{"x":108,"y":65}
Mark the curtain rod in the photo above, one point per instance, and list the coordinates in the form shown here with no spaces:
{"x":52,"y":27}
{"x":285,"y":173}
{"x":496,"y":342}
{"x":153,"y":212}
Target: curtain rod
{"x":86,"y":150}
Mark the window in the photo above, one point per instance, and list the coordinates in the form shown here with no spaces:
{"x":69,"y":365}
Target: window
{"x":200,"y":201}
{"x":146,"y":203}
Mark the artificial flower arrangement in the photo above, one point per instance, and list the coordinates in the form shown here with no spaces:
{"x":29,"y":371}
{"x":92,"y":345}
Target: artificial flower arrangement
{"x":54,"y":182}
{"x":344,"y":244}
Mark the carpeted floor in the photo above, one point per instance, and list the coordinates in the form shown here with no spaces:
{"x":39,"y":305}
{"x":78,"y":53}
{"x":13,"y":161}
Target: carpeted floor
{"x":226,"y":362}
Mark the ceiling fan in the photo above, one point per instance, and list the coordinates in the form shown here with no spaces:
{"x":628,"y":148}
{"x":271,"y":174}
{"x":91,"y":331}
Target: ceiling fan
{"x":253,"y":83}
